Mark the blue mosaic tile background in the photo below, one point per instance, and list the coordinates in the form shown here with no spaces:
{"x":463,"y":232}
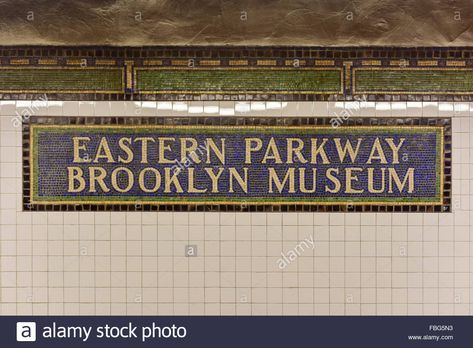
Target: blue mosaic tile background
{"x":56,"y":154}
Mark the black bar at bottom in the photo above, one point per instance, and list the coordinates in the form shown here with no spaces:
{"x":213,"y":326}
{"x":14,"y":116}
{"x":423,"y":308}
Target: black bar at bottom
{"x":256,"y":331}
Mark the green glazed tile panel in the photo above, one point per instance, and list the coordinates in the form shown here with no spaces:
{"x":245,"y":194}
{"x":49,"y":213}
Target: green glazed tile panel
{"x":61,"y":80}
{"x":413,"y":80}
{"x":239,"y":80}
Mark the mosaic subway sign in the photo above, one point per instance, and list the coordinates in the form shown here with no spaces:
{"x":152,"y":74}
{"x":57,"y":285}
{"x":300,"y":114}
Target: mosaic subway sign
{"x":306,"y":164}
{"x":400,"y":164}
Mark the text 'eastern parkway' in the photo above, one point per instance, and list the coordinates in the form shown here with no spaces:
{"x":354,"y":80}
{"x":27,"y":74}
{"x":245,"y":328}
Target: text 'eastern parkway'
{"x":180,"y":165}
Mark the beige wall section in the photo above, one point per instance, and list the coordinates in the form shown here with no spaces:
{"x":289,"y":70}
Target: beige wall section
{"x":240,"y":22}
{"x":135,"y":263}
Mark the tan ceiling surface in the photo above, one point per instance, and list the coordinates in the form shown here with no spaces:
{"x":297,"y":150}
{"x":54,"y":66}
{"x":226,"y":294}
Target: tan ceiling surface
{"x":256,"y":22}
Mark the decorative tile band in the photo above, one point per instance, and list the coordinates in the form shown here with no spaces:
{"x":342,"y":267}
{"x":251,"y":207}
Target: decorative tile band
{"x":413,"y":80}
{"x":309,"y":163}
{"x":239,"y":80}
{"x":61,"y":80}
{"x":237,"y":73}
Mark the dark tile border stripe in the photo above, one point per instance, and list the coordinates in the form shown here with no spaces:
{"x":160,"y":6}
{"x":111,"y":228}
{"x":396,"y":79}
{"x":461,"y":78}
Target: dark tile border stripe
{"x":348,"y":59}
{"x":216,"y":121}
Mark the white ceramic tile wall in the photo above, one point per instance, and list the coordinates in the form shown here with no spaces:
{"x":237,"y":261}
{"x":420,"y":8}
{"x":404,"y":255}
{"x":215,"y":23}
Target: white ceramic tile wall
{"x":135,"y":263}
